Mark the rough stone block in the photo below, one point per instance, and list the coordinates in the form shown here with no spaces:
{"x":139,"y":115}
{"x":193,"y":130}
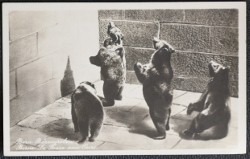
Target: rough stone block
{"x":198,"y":84}
{"x":224,"y":40}
{"x":187,"y":98}
{"x":23,"y":23}
{"x":33,"y":74}
{"x":35,"y":121}
{"x":214,"y":17}
{"x":165,"y":15}
{"x":111,"y":14}
{"x":136,"y":34}
{"x":52,"y":110}
{"x":32,"y":101}
{"x":22,"y":51}
{"x":186,"y":37}
{"x":134,"y":55}
{"x":199,"y":144}
{"x":186,"y":64}
{"x":12,"y":84}
{"x":142,"y":133}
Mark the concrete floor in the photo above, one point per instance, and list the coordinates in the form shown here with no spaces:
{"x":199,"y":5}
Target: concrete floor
{"x":127,"y":126}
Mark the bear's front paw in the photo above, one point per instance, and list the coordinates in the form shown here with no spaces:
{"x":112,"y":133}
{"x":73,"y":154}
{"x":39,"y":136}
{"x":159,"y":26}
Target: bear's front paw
{"x":137,"y":66}
{"x":190,"y":108}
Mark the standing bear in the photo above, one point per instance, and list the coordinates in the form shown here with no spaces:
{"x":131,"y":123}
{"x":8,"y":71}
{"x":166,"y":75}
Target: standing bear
{"x":87,"y":111}
{"x":156,"y":77}
{"x":111,"y":59}
{"x":214,"y":113}
{"x":113,"y":73}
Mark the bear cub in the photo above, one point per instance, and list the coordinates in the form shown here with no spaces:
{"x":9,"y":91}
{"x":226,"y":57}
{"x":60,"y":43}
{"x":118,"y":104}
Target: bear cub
{"x":113,"y":73}
{"x":87,"y":111}
{"x":214,"y":113}
{"x":111,"y":59}
{"x":156,"y":77}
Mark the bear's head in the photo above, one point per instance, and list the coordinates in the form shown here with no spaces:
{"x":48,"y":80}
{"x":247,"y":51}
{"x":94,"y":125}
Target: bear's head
{"x":219,"y":74}
{"x":217,"y":70}
{"x":108,"y":57}
{"x":163,"y":52}
{"x":115,"y":33}
{"x":85,"y":86}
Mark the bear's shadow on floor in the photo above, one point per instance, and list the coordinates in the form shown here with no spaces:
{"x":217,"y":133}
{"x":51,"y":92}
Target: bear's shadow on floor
{"x":61,"y":128}
{"x":138,"y":121}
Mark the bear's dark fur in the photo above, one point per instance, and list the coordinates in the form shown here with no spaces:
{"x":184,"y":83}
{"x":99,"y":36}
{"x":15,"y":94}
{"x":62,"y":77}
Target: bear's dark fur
{"x":212,"y":121}
{"x":87,"y":111}
{"x":113,"y":73}
{"x":115,"y":35}
{"x":156,"y":78}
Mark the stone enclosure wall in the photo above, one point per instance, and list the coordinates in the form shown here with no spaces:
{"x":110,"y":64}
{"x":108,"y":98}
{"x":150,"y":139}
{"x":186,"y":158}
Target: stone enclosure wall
{"x":40,"y":42}
{"x":197,"y":35}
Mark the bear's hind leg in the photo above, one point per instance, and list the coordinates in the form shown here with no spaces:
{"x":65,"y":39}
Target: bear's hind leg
{"x":214,"y":132}
{"x":110,"y":90}
{"x":168,"y":118}
{"x":95,"y":128}
{"x":84,"y":129}
{"x":160,"y":126}
{"x":73,"y":113}
{"x":119,"y":94}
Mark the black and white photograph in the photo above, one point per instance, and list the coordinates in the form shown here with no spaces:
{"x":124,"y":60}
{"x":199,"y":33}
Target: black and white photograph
{"x":124,"y":78}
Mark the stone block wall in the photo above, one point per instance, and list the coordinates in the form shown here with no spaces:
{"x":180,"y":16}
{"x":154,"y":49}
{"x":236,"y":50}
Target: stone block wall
{"x":39,"y":44}
{"x":197,"y":35}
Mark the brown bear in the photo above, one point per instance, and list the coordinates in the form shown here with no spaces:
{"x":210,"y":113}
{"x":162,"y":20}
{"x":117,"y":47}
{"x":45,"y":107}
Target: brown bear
{"x":87,"y":111}
{"x":214,"y":113}
{"x":113,"y":73}
{"x":156,"y":77}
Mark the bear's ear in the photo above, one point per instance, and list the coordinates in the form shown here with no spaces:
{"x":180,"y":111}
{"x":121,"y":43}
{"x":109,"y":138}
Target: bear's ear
{"x":119,"y":51}
{"x":112,"y":24}
{"x":169,"y":49}
{"x":89,"y":83}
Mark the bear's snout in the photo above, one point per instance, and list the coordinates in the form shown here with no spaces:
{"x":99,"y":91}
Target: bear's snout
{"x":94,"y":60}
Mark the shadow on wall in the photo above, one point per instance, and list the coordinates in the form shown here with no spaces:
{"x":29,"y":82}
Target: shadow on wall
{"x":68,"y":82}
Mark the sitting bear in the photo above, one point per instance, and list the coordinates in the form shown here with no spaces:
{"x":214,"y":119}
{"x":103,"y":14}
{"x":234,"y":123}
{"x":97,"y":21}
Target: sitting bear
{"x":113,"y":73}
{"x":156,"y":78}
{"x":87,"y":111}
{"x":214,"y":113}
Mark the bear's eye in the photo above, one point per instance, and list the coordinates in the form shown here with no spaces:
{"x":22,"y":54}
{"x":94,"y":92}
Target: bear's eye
{"x":215,"y":66}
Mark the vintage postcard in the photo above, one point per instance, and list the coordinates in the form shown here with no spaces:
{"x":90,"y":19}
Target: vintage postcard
{"x":124,"y":78}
